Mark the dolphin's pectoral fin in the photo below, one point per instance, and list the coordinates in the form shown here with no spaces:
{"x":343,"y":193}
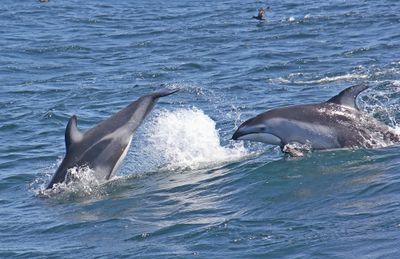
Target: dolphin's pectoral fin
{"x":72,"y":133}
{"x":348,"y":96}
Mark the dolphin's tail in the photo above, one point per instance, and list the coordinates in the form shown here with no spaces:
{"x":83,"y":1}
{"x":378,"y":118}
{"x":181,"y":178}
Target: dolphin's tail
{"x":163,"y":92}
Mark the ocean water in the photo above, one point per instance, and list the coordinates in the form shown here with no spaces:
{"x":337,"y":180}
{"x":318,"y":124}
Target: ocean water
{"x":185,"y":189}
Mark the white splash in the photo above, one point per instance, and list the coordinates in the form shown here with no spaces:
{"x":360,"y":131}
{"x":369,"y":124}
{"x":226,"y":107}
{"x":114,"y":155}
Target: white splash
{"x":382,"y":103}
{"x":396,"y":83}
{"x":188,"y":139}
{"x":79,"y":180}
{"x":297,"y":149}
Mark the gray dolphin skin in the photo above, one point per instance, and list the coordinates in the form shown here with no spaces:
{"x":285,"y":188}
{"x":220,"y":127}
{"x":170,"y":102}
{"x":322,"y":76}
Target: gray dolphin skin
{"x":103,"y":147}
{"x":336,"y":123}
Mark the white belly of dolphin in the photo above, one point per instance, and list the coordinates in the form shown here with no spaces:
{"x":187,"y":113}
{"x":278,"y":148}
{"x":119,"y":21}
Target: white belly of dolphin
{"x":121,"y":159}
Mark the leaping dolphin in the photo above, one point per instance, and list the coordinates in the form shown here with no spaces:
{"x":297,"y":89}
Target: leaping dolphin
{"x":336,"y":123}
{"x":104,"y":147}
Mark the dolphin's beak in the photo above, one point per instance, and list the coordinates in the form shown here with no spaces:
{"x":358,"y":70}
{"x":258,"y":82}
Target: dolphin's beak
{"x":238,"y":133}
{"x":242,"y":131}
{"x":255,"y":132}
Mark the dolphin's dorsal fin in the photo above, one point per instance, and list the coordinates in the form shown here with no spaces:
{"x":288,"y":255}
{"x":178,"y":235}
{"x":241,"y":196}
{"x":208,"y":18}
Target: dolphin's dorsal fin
{"x":72,"y":133}
{"x":348,"y":96}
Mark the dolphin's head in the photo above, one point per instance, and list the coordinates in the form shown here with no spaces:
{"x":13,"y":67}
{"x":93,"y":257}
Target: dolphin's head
{"x":257,"y":129}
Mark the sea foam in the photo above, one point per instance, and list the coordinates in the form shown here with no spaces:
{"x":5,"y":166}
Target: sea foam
{"x":188,"y":139}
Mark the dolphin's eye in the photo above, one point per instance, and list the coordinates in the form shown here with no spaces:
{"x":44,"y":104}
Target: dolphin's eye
{"x":262,"y":128}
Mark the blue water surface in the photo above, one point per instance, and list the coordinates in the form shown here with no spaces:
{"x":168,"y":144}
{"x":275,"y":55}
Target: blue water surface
{"x":207,"y":197}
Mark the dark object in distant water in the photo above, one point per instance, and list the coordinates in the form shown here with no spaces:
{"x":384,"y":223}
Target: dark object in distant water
{"x":261,"y":14}
{"x":43,"y":1}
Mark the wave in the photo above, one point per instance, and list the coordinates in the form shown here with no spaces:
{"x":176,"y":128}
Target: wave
{"x":292,"y":79}
{"x":361,"y":73}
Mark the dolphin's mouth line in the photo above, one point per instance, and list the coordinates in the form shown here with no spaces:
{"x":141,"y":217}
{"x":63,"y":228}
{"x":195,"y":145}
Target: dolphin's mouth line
{"x":263,"y":137}
{"x":255,"y":133}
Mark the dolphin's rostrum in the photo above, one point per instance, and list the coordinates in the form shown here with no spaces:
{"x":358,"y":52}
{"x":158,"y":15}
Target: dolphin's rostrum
{"x":103,"y":147}
{"x":336,"y":123}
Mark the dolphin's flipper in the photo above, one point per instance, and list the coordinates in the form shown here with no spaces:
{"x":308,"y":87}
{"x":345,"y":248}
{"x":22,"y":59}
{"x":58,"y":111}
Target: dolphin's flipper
{"x":72,"y":133}
{"x":163,"y":92}
{"x":348,"y":96}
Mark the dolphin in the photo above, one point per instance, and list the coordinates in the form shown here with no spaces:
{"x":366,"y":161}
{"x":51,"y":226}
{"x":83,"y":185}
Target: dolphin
{"x":104,"y":147}
{"x":336,"y":123}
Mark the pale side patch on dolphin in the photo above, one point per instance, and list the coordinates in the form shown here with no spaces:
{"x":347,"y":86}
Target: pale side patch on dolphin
{"x":104,"y":147}
{"x":336,"y":123}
